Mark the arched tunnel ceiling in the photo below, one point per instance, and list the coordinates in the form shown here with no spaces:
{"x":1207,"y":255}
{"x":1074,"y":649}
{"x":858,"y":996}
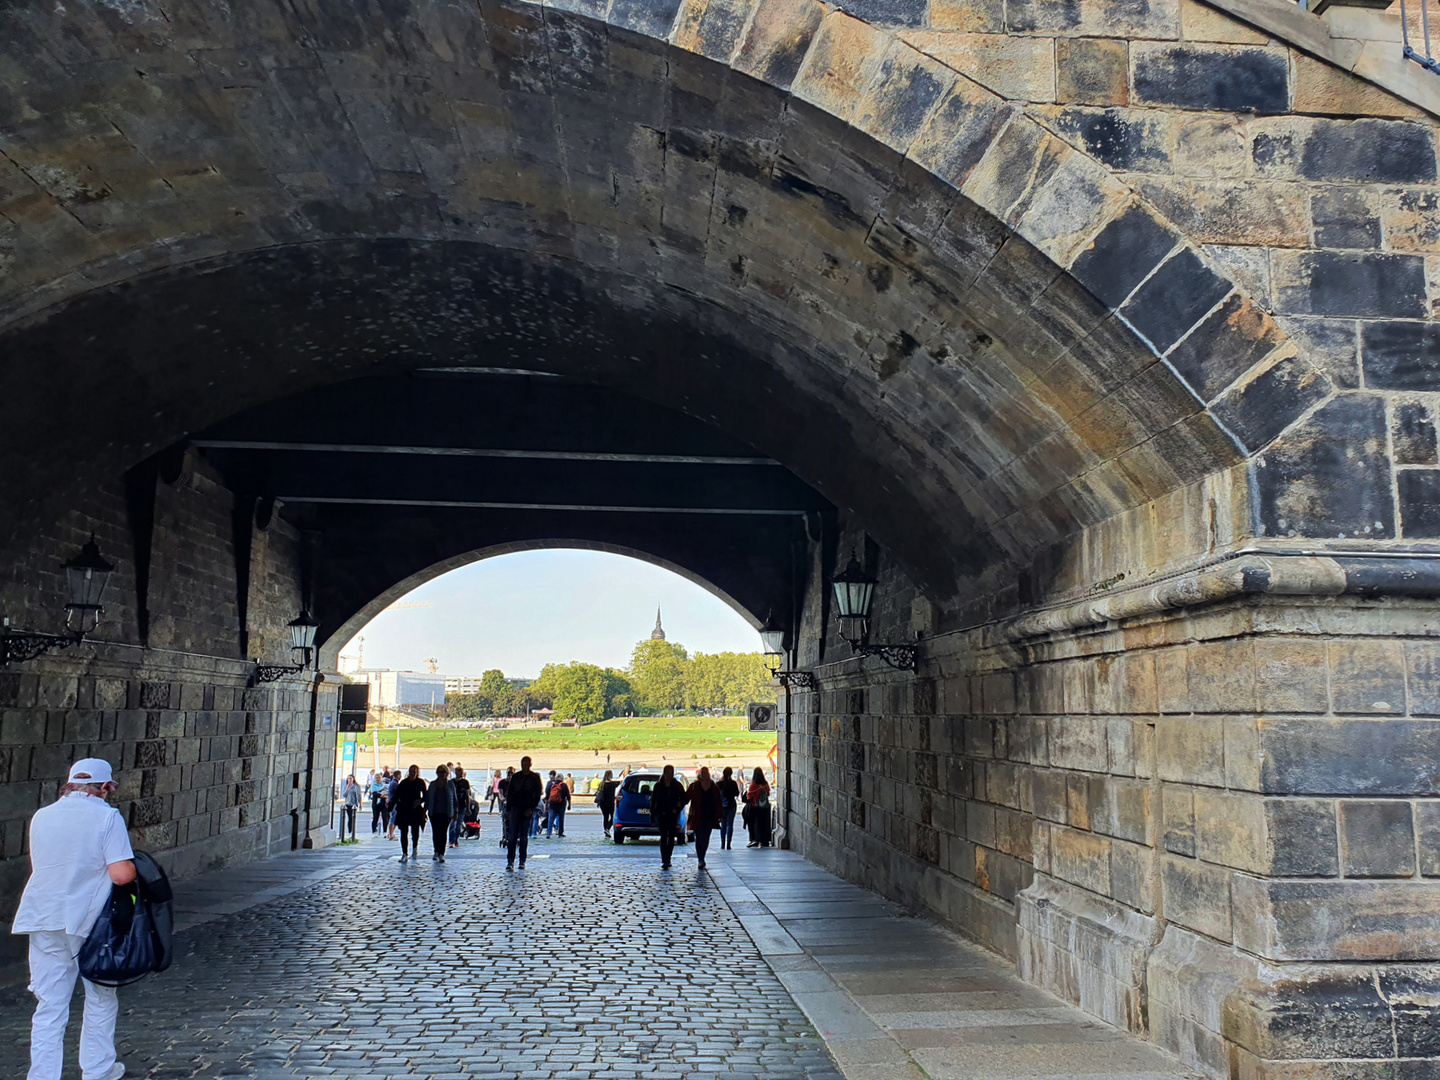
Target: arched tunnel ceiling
{"x":394,"y":480}
{"x":221,"y":210}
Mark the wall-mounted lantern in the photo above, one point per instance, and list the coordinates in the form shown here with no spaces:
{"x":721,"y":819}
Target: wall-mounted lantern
{"x":772,"y":638}
{"x":854,"y":590}
{"x":302,"y":644}
{"x":85,"y":578}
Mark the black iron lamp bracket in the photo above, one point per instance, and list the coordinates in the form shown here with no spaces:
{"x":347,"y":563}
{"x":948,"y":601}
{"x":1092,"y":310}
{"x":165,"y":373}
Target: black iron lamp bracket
{"x":797,"y":680}
{"x":17,"y":646}
{"x":900,"y":657}
{"x":273,"y":672}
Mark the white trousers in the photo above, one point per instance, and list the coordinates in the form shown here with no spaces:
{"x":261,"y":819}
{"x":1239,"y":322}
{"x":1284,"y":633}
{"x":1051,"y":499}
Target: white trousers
{"x":53,"y":971}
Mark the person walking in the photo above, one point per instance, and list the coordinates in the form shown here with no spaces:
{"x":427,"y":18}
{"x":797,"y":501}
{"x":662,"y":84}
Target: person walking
{"x":558,"y":800}
{"x":392,"y":798}
{"x":729,"y":803}
{"x":502,"y":788}
{"x":706,"y":811}
{"x":495,"y":782}
{"x":605,"y":800}
{"x":667,"y":800}
{"x":757,"y":810}
{"x":379,"y":786}
{"x":352,"y":794}
{"x":462,"y":803}
{"x":522,"y":799}
{"x":410,"y":812}
{"x":78,"y":850}
{"x":440,"y":807}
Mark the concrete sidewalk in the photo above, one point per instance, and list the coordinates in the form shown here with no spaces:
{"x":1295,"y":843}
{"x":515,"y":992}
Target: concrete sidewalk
{"x":896,"y":997}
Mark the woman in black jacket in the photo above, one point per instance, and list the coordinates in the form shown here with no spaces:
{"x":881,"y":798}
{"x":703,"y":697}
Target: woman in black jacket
{"x":440,"y":805}
{"x":410,"y":811}
{"x":605,"y":800}
{"x":729,"y":803}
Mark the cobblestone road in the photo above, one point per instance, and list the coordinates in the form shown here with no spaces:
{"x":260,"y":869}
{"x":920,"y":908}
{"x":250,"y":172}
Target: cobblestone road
{"x":592,"y":963}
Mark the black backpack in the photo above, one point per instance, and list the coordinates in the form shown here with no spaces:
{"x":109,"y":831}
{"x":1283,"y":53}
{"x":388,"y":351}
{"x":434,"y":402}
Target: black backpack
{"x":134,"y":934}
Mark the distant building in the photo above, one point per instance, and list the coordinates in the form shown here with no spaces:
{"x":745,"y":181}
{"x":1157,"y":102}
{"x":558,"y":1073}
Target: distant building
{"x":470,"y":684}
{"x":391,"y":688}
{"x":658,"y":634}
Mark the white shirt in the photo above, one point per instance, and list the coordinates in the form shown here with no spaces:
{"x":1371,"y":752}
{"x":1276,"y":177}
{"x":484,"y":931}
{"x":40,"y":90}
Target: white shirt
{"x":72,"y":842}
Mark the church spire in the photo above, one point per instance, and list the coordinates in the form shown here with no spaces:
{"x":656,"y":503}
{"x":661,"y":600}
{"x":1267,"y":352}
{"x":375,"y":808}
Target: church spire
{"x":658,"y":634}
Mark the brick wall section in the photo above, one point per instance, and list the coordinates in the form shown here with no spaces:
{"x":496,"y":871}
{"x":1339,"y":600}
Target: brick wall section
{"x":210,"y":771}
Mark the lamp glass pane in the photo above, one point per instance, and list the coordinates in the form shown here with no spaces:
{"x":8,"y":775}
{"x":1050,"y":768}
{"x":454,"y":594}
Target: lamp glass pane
{"x":302,"y":632}
{"x":773,"y":640}
{"x":77,"y":582}
{"x":853,"y":597}
{"x":85,"y":577}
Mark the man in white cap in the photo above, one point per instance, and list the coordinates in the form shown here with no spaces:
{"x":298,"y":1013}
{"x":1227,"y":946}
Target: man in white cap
{"x":78,"y":849}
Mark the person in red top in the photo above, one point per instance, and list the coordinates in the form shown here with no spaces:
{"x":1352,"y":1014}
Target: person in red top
{"x":757,"y":810}
{"x":706,"y":810}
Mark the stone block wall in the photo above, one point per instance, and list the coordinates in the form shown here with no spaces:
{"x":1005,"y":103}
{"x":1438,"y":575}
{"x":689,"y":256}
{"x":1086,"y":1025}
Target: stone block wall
{"x":210,"y":769}
{"x":1214,"y":824}
{"x":1314,"y":190}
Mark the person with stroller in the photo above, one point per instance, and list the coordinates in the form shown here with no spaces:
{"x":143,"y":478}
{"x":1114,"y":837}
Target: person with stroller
{"x":462,"y":805}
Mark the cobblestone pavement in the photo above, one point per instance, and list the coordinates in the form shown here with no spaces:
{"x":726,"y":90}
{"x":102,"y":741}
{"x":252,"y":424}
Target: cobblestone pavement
{"x":591,"y":963}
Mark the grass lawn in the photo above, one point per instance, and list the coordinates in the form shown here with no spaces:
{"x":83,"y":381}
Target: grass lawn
{"x":635,"y":733}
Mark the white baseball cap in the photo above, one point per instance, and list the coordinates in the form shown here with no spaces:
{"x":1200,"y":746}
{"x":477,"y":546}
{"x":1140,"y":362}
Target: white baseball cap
{"x":91,"y":770}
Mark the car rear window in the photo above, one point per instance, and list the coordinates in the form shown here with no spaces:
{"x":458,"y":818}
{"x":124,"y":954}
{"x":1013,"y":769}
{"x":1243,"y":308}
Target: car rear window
{"x":640,"y":785}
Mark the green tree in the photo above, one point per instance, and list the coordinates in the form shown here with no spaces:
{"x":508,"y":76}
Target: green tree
{"x":466,"y":706}
{"x":579,"y":691}
{"x":657,"y":673}
{"x":620,"y":695}
{"x":494,"y":685}
{"x":726,"y":682}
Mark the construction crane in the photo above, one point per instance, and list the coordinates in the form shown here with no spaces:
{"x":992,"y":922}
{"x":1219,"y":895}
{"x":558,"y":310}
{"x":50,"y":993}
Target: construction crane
{"x":403,"y":605}
{"x":433,"y":664}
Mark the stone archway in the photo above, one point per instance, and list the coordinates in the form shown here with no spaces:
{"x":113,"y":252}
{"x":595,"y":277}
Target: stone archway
{"x":925,"y":273}
{"x":959,"y":316}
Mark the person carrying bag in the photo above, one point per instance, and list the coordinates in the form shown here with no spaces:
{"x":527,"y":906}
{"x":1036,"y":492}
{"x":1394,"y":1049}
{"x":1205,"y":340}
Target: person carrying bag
{"x":79,"y":852}
{"x":132,"y":936}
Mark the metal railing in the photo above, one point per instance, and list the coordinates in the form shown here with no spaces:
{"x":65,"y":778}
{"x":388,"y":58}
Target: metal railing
{"x":1425,"y":59}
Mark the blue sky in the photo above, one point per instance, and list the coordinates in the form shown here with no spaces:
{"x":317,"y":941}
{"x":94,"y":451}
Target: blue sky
{"x":518,"y":612}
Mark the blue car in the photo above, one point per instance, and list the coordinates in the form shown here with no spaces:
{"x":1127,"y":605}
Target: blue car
{"x":632,"y":807}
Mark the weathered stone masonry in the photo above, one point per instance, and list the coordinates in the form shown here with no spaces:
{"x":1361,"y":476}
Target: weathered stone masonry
{"x":211,"y":770}
{"x":1209,"y":814}
{"x":1112,"y":323}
